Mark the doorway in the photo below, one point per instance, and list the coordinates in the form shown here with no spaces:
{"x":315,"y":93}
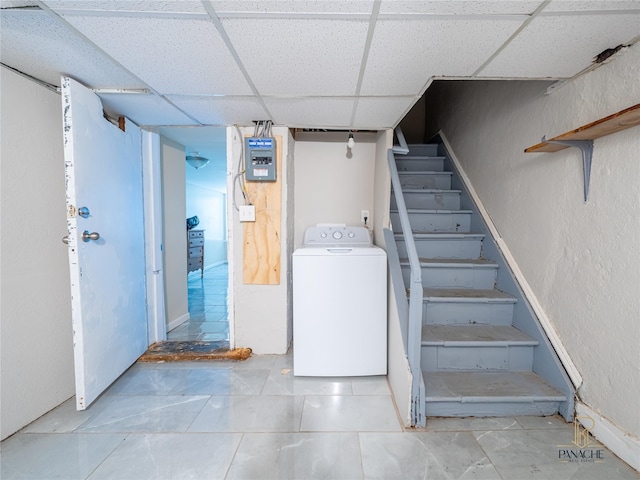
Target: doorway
{"x":197,"y":305}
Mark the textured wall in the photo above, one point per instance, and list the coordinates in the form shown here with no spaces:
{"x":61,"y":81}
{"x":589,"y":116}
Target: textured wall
{"x":331,"y":184}
{"x":35,"y":319}
{"x":582,"y":260}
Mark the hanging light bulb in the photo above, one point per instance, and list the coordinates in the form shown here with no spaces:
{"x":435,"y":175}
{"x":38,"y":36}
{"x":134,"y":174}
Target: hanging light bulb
{"x":351,"y":142}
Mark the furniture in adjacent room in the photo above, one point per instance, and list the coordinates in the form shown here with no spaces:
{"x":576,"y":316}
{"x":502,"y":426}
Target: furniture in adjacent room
{"x":195,"y":251}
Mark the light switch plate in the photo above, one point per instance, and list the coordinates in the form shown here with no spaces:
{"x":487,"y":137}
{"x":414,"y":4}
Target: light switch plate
{"x":247,"y":213}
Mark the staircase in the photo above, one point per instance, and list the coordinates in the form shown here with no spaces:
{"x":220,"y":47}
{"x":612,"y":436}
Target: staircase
{"x":474,"y":360}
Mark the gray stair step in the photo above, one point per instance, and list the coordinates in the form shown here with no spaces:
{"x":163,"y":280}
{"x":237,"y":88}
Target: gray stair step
{"x":467,"y":307}
{"x":412,"y":163}
{"x":425,"y":180}
{"x":454,"y":273}
{"x":474,"y":336}
{"x":429,"y":149}
{"x":435,"y":220}
{"x":429,"y":199}
{"x":443,"y":245}
{"x":461,"y":394}
{"x":475,"y":347}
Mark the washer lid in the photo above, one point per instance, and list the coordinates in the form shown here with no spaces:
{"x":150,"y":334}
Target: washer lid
{"x":337,"y":235}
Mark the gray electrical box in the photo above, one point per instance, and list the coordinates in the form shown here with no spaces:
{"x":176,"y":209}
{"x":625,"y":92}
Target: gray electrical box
{"x":260,"y":159}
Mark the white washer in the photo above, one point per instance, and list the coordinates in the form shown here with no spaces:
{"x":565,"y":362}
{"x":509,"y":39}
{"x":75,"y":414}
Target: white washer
{"x":339,"y":304}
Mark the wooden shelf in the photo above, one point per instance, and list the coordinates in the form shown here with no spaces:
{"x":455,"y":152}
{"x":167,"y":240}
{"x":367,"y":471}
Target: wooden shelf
{"x":627,"y":118}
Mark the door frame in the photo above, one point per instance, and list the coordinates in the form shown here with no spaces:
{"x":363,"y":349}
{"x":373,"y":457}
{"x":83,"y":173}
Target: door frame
{"x":152,"y":185}
{"x":153,"y":194}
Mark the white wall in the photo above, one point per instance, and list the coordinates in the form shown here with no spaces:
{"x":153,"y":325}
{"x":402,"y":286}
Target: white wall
{"x":331,"y":185}
{"x":210,"y":207}
{"x":35,"y":319}
{"x":398,"y":373}
{"x":580,"y":259}
{"x":262,"y":314}
{"x":175,"y":231}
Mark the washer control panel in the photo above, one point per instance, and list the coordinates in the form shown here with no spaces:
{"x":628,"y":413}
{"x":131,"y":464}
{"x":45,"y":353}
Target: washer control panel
{"x":337,"y":234}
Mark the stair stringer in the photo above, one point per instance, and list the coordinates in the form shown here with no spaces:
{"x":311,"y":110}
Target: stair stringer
{"x":546,"y":362}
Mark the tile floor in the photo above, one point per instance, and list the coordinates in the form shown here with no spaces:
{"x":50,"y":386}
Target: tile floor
{"x":207,"y":307}
{"x":254,"y":420}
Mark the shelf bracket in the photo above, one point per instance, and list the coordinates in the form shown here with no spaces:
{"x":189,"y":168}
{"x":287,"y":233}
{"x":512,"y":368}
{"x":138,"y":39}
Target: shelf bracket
{"x":586,"y":146}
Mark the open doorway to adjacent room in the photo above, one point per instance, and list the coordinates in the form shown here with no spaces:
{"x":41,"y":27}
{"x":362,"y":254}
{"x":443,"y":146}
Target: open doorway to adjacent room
{"x":206,"y":278}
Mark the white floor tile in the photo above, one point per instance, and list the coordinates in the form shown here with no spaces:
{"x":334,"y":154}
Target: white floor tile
{"x":442,"y":455}
{"x":283,"y":382}
{"x":62,"y":419}
{"x":147,"y":381}
{"x":370,"y":385}
{"x":471,"y":423}
{"x":349,"y":414}
{"x":221,"y":382}
{"x":49,"y":456}
{"x":297,"y":456}
{"x":170,"y":457}
{"x":145,"y":414}
{"x":250,"y":414}
{"x":534,"y":454}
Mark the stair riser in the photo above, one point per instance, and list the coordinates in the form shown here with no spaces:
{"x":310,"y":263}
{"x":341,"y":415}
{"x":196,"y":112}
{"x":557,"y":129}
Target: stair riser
{"x":423,"y":164}
{"x":427,"y":150}
{"x":467,"y":313}
{"x":446,"y":277}
{"x":445,"y":248}
{"x":447,"y":359}
{"x":425,"y":180}
{"x":490,"y":409}
{"x":435,"y":201}
{"x":435,"y":222}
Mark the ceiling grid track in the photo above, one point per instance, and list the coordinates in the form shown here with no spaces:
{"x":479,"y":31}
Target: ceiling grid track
{"x":71,"y":28}
{"x":524,"y":25}
{"x":227,"y":41}
{"x":373,"y":19}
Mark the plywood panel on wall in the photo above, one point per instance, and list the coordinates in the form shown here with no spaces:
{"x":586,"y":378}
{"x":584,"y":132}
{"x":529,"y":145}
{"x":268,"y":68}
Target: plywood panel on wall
{"x":261,"y":247}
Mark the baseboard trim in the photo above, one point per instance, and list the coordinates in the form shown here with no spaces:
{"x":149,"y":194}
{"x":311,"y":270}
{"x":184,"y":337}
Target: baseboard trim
{"x":178,"y":321}
{"x":612,"y":436}
{"x":214,"y":265}
{"x":552,"y":335}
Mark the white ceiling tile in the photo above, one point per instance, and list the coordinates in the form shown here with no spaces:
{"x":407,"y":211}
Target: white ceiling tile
{"x":171,"y":55}
{"x":459,"y":7}
{"x":590,"y":5}
{"x":144,"y":109}
{"x":221,"y":110}
{"x":406,"y":53}
{"x":18,"y":3}
{"x":325,"y":112}
{"x":300,"y":56}
{"x":381,"y":112}
{"x":564,"y":45}
{"x":166,"y":6}
{"x":38,"y":45}
{"x":292,"y":6}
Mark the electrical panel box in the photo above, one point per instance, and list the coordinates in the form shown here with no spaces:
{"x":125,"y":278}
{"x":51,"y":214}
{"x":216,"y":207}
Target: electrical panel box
{"x":260,"y":159}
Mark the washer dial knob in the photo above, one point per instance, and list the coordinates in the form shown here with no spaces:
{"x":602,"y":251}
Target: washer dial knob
{"x":337,"y":235}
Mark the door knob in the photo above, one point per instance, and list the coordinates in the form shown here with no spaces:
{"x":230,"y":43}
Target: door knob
{"x":86,"y":236}
{"x":84,"y":212}
{"x":65,"y":239}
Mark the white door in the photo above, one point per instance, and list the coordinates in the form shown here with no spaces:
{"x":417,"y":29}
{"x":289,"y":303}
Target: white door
{"x":103,"y":168}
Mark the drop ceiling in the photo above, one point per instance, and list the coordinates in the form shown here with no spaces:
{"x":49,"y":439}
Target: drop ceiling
{"x":342,"y":64}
